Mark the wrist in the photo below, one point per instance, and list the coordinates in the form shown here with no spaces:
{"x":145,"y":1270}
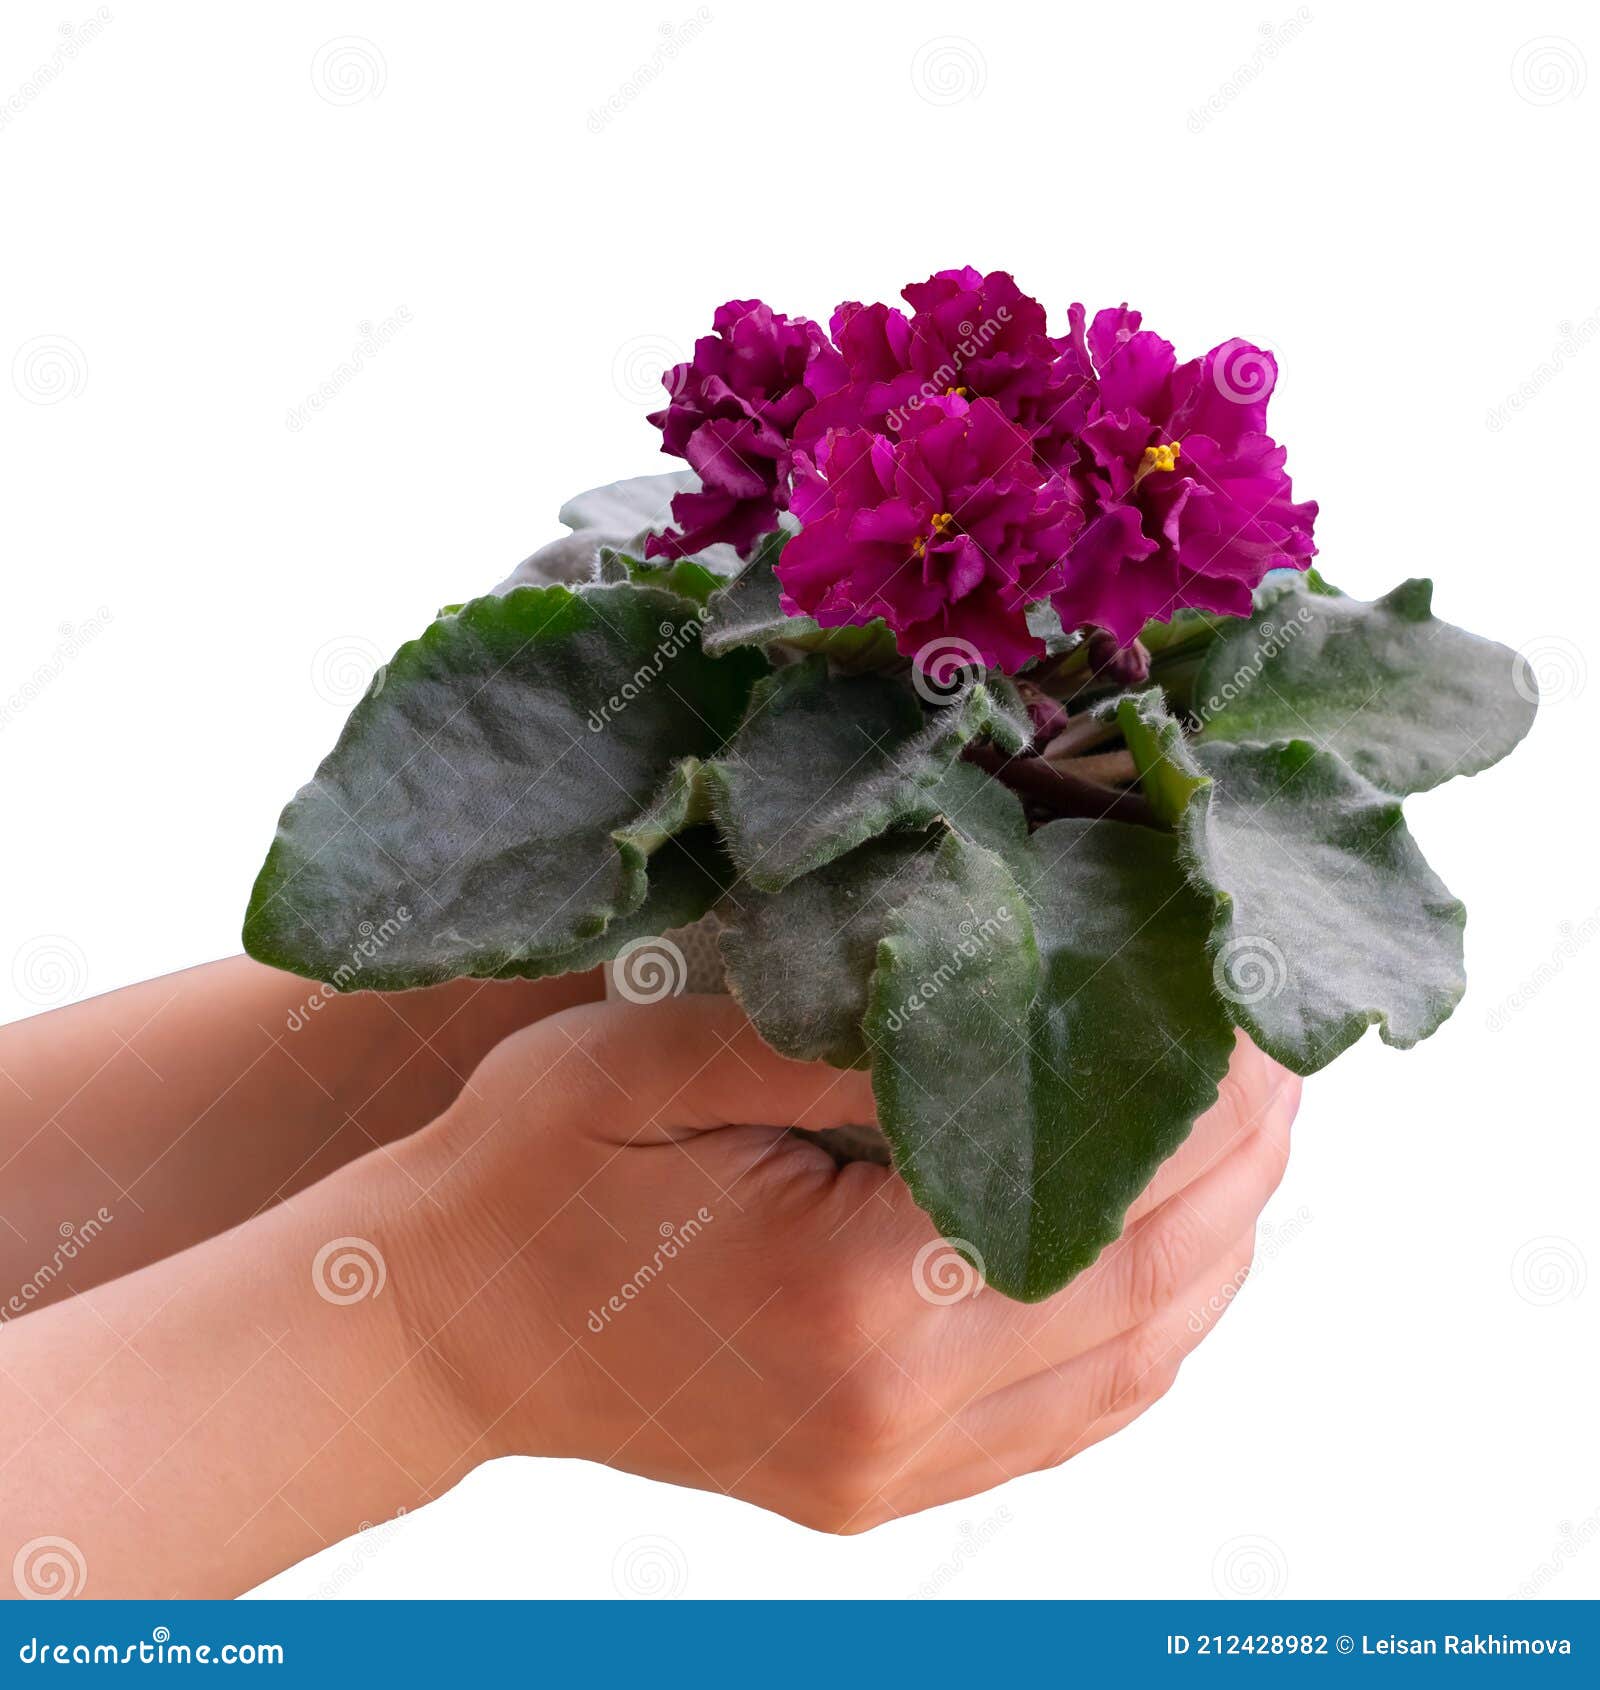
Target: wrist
{"x":491,"y":1353}
{"x":467,"y":1018}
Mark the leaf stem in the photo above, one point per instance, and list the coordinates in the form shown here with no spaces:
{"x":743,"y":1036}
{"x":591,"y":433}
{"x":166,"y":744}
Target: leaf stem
{"x":1053,"y":788}
{"x":1111,"y":768}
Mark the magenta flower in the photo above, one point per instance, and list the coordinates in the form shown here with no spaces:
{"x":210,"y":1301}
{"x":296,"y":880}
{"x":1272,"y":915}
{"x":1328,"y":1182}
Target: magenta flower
{"x":732,"y":414}
{"x":948,"y":532}
{"x":1185,"y":495}
{"x":957,"y":463}
{"x":972,"y":335}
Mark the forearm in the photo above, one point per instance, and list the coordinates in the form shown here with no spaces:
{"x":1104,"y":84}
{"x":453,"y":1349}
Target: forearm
{"x":188,"y":1104}
{"x":195,"y":1427}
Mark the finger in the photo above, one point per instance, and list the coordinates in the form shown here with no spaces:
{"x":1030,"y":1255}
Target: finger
{"x":912,"y":1297}
{"x":1045,"y":1417}
{"x":1256,"y":1095}
{"x":1141,"y":1276}
{"x":1045,"y":1421}
{"x":632,"y":1073}
{"x":904,"y":1276}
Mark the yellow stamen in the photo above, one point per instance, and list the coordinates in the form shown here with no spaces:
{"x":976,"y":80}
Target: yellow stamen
{"x":943,"y":522}
{"x":1157,"y":457}
{"x":958,"y":392}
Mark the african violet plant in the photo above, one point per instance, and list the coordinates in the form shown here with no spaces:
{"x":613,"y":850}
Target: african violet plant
{"x":978,"y":688}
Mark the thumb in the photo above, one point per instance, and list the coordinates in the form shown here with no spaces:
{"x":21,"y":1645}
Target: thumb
{"x":650,"y":1073}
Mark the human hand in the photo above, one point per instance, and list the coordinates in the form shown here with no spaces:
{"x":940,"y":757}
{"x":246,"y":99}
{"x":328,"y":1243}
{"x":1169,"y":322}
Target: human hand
{"x":582,"y":1257}
{"x":187,"y":1104}
{"x":616,"y":1272}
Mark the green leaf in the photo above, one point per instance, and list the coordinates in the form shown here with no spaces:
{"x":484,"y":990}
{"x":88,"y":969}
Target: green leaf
{"x":1156,"y":740}
{"x":503,"y":784}
{"x":1044,"y":623}
{"x":686,"y":875}
{"x":639,"y":505}
{"x":800,"y":960}
{"x":1006,"y":718}
{"x":1043,"y":1036}
{"x":685,"y":576}
{"x":1406,"y":700}
{"x":824,"y":763}
{"x":1328,"y":918}
{"x":748,"y":612}
{"x":683,"y":802}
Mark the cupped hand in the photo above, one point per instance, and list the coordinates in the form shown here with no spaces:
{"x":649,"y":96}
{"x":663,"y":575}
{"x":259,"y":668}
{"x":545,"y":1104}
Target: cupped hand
{"x":628,"y":1260}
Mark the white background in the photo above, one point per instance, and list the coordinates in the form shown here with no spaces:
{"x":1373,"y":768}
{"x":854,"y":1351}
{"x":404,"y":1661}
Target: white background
{"x":203,"y":207}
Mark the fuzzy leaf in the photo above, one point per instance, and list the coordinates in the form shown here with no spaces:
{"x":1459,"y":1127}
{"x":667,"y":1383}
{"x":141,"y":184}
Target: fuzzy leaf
{"x":1044,"y":623}
{"x":800,"y":960}
{"x":685,"y":576}
{"x":1405,"y":699}
{"x":687,"y":875}
{"x":1156,"y":740}
{"x":499,"y":785}
{"x":824,"y":763}
{"x":749,"y":612}
{"x":1007,"y":721}
{"x":623,"y":509}
{"x":1043,"y":1037}
{"x":1328,"y":918}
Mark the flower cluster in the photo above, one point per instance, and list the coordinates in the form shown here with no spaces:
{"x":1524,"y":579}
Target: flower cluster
{"x":732,"y":413}
{"x":951,"y":467}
